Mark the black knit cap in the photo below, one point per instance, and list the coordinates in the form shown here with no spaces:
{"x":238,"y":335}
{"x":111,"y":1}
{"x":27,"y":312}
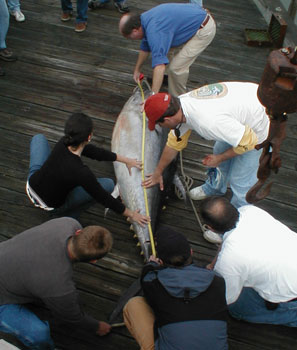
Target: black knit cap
{"x":171,"y":243}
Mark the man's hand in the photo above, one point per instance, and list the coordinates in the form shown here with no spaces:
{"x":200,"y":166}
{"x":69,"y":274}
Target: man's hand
{"x":155,"y":259}
{"x":152,"y":180}
{"x":136,"y":76}
{"x":133,"y":163}
{"x":211,"y":160}
{"x":103,"y":329}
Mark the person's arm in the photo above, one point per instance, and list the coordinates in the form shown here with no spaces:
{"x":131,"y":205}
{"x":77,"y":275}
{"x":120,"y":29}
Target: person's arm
{"x":212,"y":264}
{"x":235,"y":271}
{"x":213,"y":160}
{"x":67,"y":310}
{"x":130,"y":163}
{"x":156,"y":177}
{"x":97,"y":153}
{"x":142,"y":56}
{"x":246,"y":144}
{"x":158,"y":76}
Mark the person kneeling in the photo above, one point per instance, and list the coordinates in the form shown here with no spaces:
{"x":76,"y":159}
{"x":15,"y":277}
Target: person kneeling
{"x":184,"y":303}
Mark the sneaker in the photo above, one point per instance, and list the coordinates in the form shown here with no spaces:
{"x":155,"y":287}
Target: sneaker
{"x":197,"y":193}
{"x":212,"y":237}
{"x":7,"y":55}
{"x":121,"y":6}
{"x":95,"y":4}
{"x":18,"y":15}
{"x":66,"y":16}
{"x":80,"y":27}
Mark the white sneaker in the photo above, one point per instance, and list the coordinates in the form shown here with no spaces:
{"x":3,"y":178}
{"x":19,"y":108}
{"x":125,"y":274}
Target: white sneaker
{"x":18,"y":15}
{"x":212,"y":237}
{"x":197,"y":193}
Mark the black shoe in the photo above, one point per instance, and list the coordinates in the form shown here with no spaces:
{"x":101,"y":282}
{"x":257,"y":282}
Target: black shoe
{"x":1,"y":72}
{"x":121,"y":6}
{"x":7,"y":55}
{"x":95,"y":4}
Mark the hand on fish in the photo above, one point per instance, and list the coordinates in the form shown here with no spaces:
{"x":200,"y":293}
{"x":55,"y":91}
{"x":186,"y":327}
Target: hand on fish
{"x":130,"y":162}
{"x":142,"y":220}
{"x":211,"y":160}
{"x":152,"y":180}
{"x":133,"y":163}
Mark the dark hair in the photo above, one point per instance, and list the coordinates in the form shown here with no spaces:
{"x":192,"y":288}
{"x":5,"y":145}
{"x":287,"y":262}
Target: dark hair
{"x":77,"y":129}
{"x":172,"y":247}
{"x":133,"y":22}
{"x":93,"y":242}
{"x":219,"y":213}
{"x":178,"y":261}
{"x":172,"y":109}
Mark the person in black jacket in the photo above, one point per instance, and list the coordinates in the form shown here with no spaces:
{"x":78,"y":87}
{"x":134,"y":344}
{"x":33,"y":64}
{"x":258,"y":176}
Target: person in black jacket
{"x":183,"y":305}
{"x":58,"y":181}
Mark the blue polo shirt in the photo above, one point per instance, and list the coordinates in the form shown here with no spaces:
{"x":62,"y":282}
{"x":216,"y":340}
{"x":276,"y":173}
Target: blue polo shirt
{"x":169,"y":25}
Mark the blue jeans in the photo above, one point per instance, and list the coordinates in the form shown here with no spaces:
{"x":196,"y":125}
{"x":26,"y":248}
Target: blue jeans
{"x":197,"y":2}
{"x":4,"y":23}
{"x":13,"y":5}
{"x":81,"y":8}
{"x":78,"y":199}
{"x":251,"y":307}
{"x":240,"y":172}
{"x":26,"y":326}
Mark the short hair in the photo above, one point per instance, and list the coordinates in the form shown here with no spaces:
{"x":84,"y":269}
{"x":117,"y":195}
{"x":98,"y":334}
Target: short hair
{"x":219,"y":213}
{"x":133,"y":22}
{"x":172,"y":109}
{"x":93,"y":242}
{"x":77,"y":129}
{"x":172,"y":247}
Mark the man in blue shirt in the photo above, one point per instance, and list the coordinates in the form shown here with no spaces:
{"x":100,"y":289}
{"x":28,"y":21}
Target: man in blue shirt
{"x":175,"y":34}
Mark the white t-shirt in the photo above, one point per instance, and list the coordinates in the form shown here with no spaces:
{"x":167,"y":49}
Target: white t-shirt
{"x":220,"y":112}
{"x":260,"y":253}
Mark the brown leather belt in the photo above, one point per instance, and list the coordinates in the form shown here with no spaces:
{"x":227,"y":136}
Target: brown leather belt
{"x":204,"y":23}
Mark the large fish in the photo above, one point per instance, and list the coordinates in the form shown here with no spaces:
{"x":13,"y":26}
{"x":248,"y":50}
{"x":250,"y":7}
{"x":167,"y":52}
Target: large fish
{"x":127,"y":140}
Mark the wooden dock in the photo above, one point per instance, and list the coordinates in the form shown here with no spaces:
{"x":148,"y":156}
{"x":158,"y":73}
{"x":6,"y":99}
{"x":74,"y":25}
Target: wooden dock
{"x":59,"y":72}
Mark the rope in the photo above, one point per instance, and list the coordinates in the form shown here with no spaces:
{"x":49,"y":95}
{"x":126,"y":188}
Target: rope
{"x":142,"y":173}
{"x":185,"y":178}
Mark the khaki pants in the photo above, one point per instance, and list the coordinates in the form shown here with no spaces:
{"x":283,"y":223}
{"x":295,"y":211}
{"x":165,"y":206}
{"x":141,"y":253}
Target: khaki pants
{"x":181,"y":58}
{"x":139,"y":319}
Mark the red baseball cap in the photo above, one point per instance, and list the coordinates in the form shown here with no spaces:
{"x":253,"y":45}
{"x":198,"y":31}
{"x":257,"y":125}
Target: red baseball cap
{"x":155,"y":106}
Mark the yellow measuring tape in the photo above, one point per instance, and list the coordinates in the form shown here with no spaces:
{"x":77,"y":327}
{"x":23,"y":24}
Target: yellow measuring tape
{"x":142,"y":174}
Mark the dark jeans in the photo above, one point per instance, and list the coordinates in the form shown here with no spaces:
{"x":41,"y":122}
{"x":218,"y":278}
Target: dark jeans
{"x":81,"y":8}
